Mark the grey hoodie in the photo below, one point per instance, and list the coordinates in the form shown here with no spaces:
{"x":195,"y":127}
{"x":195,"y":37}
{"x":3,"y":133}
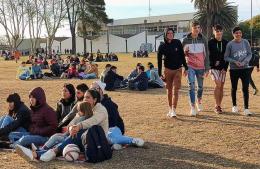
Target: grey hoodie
{"x":238,"y":51}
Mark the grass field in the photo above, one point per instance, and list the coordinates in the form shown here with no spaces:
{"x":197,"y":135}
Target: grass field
{"x":207,"y":141}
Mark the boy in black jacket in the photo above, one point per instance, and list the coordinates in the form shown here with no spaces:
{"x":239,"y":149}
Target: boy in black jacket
{"x":140,"y":82}
{"x":112,"y":79}
{"x":218,"y":66}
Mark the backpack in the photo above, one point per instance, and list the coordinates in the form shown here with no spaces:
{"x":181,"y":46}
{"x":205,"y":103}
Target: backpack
{"x":97,"y":148}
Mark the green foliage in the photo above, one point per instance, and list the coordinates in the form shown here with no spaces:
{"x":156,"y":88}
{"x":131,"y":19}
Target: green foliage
{"x":212,"y":12}
{"x":246,"y":27}
{"x":92,"y":16}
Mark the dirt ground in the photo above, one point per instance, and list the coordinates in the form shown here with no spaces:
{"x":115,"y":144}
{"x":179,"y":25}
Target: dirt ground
{"x":207,"y":141}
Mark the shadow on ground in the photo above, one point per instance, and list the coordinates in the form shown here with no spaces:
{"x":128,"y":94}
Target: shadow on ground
{"x":164,"y":157}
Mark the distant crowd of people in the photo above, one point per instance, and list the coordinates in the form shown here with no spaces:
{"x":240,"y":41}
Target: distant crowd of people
{"x":70,"y":67}
{"x":140,"y":53}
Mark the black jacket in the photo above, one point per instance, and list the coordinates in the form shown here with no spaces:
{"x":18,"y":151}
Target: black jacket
{"x":21,"y":119}
{"x":64,"y":108}
{"x":142,"y":81}
{"x":110,"y":79}
{"x":216,"y":53}
{"x":173,"y":53}
{"x":114,"y":118}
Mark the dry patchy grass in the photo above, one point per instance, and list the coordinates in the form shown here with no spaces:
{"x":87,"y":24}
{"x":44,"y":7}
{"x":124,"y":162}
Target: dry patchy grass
{"x":208,"y":141}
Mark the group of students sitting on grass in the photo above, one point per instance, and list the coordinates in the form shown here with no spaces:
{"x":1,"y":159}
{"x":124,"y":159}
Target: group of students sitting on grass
{"x":70,"y":67}
{"x":41,"y":133}
{"x":138,"y":79}
{"x":108,"y":57}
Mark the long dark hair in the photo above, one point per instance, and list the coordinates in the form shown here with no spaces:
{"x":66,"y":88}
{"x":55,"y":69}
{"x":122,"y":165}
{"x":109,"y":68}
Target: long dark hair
{"x":95,"y":94}
{"x":16,"y":99}
{"x":72,"y":92}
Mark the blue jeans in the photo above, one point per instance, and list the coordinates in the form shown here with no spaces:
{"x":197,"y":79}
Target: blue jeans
{"x":194,"y":74}
{"x":68,"y":140}
{"x":89,"y":76}
{"x":115,"y":136}
{"x":54,"y":140}
{"x":5,"y":120}
{"x":24,"y":76}
{"x":26,"y":139}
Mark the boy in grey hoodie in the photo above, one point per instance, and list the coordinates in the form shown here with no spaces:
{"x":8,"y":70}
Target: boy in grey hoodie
{"x":196,"y":52}
{"x":238,"y":54}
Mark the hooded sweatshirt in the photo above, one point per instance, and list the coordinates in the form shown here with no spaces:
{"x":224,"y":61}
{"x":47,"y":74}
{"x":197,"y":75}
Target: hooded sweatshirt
{"x":173,"y":55}
{"x":198,"y":57}
{"x":44,"y":119}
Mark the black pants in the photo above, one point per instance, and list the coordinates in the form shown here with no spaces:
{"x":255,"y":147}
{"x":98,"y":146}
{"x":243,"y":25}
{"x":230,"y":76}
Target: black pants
{"x":244,"y":75}
{"x":251,"y":80}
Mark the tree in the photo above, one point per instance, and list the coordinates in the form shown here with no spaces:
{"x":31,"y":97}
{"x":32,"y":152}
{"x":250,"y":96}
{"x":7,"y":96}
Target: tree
{"x":35,"y":22}
{"x":211,"y":12}
{"x":52,"y":13}
{"x":92,"y":18}
{"x":12,"y":19}
{"x":73,"y":11}
{"x":246,"y":28}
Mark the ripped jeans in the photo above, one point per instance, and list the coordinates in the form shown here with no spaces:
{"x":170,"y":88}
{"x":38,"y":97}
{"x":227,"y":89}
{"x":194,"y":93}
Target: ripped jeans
{"x":194,"y":74}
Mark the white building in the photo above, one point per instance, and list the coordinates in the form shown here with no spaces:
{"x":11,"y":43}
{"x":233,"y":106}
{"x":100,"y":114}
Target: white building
{"x":127,"y":35}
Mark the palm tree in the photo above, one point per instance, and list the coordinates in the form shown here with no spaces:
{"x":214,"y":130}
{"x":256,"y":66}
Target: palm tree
{"x":211,"y":12}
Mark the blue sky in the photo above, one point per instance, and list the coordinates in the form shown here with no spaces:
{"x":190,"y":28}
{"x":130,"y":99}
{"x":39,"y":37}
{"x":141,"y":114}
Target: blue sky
{"x":118,"y":9}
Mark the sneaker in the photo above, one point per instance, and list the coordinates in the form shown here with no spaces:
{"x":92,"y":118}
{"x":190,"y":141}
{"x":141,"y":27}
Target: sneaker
{"x":193,"y":111}
{"x":255,"y":91}
{"x":247,"y":112}
{"x":171,"y":114}
{"x":48,"y":156}
{"x":117,"y":147}
{"x":138,"y":142}
{"x":24,"y":152}
{"x":199,"y":107}
{"x":234,"y":109}
{"x":218,"y":110}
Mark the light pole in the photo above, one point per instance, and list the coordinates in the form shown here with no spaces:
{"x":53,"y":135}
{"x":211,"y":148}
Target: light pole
{"x":145,"y":22}
{"x":251,"y":23}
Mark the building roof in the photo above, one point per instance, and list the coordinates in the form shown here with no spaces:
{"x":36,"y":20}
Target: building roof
{"x":153,"y":19}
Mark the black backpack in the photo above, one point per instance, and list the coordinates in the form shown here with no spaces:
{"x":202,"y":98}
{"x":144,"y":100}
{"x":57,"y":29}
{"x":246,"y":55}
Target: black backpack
{"x":97,"y":148}
{"x":255,"y":58}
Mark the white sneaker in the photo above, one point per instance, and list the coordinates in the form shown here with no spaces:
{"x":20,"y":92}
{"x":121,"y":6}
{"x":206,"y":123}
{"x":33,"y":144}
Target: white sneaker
{"x":171,"y":114}
{"x":117,"y":147}
{"x":199,"y":107}
{"x":138,"y":142}
{"x":193,"y":111}
{"x":247,"y":112}
{"x":48,"y":156}
{"x":24,"y":152}
{"x":234,"y":109}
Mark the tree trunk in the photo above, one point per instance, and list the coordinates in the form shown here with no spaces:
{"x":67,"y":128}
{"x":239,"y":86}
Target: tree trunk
{"x":85,"y":45}
{"x":73,"y":36}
